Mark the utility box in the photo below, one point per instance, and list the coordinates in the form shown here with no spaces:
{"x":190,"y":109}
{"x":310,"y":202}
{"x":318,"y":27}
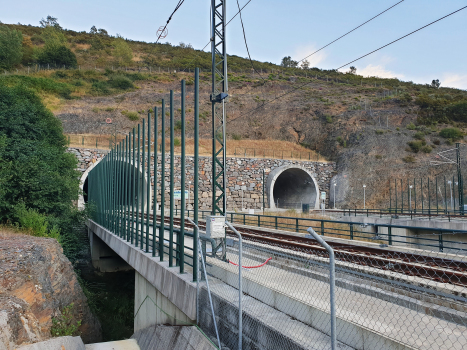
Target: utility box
{"x":215,"y":226}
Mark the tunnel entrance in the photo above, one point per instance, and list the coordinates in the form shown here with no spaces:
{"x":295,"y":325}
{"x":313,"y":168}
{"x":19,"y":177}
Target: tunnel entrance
{"x":127,"y":167}
{"x":290,"y":187}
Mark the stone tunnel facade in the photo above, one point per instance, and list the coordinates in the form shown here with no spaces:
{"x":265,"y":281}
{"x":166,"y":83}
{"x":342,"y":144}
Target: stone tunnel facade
{"x":243,"y":175}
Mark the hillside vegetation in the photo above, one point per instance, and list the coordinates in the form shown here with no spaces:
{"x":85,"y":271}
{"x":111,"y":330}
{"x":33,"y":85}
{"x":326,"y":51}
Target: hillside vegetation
{"x":376,"y":129}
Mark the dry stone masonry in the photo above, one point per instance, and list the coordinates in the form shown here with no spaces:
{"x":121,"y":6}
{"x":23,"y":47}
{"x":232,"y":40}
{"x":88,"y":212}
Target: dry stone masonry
{"x":242,"y":174}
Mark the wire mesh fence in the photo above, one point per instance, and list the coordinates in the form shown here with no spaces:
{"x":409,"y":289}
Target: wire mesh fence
{"x":404,"y":299}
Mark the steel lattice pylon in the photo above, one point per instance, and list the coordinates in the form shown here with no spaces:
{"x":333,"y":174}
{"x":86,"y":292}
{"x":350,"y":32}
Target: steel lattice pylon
{"x":219,"y":93}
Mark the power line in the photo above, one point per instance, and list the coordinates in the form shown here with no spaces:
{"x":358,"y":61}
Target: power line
{"x":302,"y":85}
{"x":402,"y":37}
{"x":180,"y":2}
{"x":197,"y":55}
{"x":361,"y":25}
{"x":246,"y":44}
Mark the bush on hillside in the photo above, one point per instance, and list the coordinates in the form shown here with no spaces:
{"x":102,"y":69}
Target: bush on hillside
{"x":451,"y":133}
{"x":120,"y":82}
{"x":58,"y":57}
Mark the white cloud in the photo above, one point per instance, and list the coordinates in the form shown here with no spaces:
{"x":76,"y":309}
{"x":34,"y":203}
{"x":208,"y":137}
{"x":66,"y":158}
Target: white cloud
{"x":303,"y":51}
{"x":377,"y":71}
{"x":454,"y":80}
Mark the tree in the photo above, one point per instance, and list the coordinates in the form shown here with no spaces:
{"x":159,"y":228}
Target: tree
{"x":35,"y":168}
{"x":50,"y":22}
{"x":435,"y":83}
{"x":55,"y":49}
{"x":305,"y":64}
{"x":10,"y":47}
{"x":288,"y":62}
{"x":93,"y":30}
{"x":353,"y":70}
{"x":122,"y":52}
{"x":102,"y":31}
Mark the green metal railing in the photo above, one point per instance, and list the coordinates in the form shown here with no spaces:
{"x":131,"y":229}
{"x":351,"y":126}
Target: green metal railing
{"x":120,"y":188}
{"x":352,"y":230}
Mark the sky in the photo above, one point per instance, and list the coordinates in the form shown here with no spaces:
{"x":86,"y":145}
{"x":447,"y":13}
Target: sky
{"x":295,"y":28}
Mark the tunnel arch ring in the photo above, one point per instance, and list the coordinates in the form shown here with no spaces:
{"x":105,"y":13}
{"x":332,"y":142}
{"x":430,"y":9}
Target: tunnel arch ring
{"x":298,"y":184}
{"x":143,"y":177}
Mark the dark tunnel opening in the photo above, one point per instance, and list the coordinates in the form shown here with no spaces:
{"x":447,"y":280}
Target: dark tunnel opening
{"x":294,"y":187}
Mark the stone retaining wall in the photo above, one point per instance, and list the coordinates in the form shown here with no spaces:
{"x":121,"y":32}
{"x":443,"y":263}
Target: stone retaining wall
{"x":242,"y":174}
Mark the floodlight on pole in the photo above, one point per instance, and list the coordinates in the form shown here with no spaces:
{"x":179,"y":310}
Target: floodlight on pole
{"x":335,"y":195}
{"x":364,"y":206}
{"x":410,"y":198}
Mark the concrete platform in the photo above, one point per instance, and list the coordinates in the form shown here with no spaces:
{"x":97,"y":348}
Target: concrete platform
{"x":363,"y":321}
{"x":60,"y":343}
{"x":128,"y":344}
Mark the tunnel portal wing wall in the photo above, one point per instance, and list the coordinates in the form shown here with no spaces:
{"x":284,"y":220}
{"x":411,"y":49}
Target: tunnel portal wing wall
{"x":296,"y":183}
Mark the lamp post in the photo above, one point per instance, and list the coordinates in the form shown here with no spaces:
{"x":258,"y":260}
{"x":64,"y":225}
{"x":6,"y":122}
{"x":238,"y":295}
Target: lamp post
{"x":364,"y":207}
{"x":242,"y":194}
{"x":410,"y":198}
{"x":189,"y":187}
{"x":335,"y":195}
{"x":450,"y":187}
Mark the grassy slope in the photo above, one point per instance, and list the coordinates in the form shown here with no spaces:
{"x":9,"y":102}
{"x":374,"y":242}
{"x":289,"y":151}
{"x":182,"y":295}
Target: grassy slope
{"x":327,"y":115}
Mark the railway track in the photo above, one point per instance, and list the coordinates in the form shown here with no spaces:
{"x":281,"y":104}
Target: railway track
{"x":438,"y":269}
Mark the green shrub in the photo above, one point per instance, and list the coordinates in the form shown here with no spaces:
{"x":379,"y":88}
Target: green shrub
{"x":65,"y":324}
{"x":133,"y":116}
{"x":378,"y":156}
{"x":419,"y":135}
{"x":178,"y":125}
{"x":409,"y":159}
{"x":329,"y":119}
{"x":236,"y":137}
{"x":100,"y":88}
{"x":379,"y":132}
{"x":120,"y":82}
{"x":61,"y":56}
{"x":411,"y":126}
{"x":34,"y":163}
{"x":39,"y":84}
{"x":177,"y":142}
{"x":451,"y":133}
{"x":416,"y":146}
{"x":437,"y":142}
{"x":426,"y":149}
{"x":35,"y":223}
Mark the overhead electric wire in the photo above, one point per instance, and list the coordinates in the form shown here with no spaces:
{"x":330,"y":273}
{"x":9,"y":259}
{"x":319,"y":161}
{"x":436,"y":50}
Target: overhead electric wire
{"x":361,"y":25}
{"x":180,"y":2}
{"x":402,"y":37}
{"x":246,"y":44}
{"x":197,"y":55}
{"x":302,"y":85}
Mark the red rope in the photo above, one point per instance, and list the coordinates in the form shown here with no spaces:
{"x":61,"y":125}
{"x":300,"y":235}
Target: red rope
{"x":251,"y":267}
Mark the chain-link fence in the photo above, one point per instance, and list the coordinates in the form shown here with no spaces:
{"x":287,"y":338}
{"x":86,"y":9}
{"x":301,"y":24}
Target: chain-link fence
{"x":396,"y":299}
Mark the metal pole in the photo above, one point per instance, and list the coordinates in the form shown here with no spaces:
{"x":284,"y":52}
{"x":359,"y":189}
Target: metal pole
{"x":240,"y":287}
{"x":436,"y":191}
{"x":196,"y":178}
{"x":154,"y":206}
{"x":332,"y":285}
{"x":263,"y":192}
{"x":144,"y":195}
{"x":162,"y":227}
{"x":450,"y":189}
{"x":133,"y":195}
{"x":445,"y":197}
{"x":182,"y":183}
{"x":127,"y":186}
{"x":148,"y":185}
{"x":172,"y":159}
{"x":460,"y":185}
{"x":138,"y":160}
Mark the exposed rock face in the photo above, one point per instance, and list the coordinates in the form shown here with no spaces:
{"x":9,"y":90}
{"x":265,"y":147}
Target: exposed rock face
{"x":36,"y":282}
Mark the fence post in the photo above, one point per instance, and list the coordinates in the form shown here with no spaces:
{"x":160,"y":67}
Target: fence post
{"x":332,"y":285}
{"x":275,"y":222}
{"x":296,"y":225}
{"x":351,"y":231}
{"x":322,"y":228}
{"x":390,"y":235}
{"x":440,"y":240}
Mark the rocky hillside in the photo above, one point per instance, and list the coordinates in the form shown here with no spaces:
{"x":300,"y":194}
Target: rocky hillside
{"x":377,"y":130}
{"x":37,"y":284}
